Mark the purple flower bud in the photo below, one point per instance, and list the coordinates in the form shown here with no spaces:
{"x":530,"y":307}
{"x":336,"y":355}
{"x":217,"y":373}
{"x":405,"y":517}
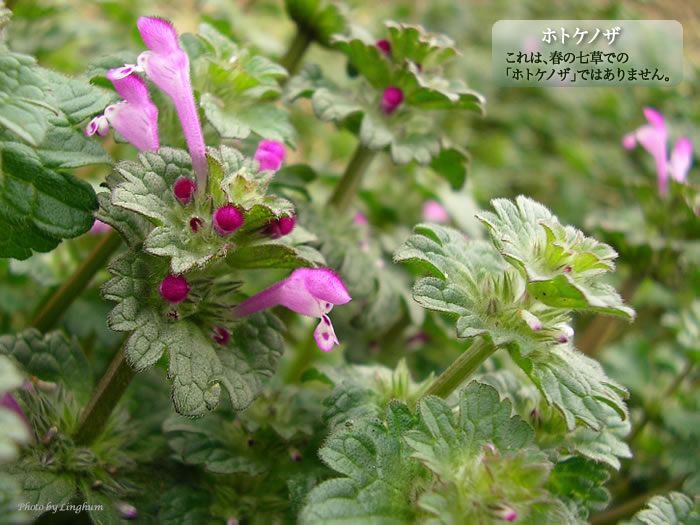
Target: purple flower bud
{"x":385,"y":46}
{"x":126,"y":511}
{"x":221,"y":335}
{"x":532,"y":321}
{"x":184,"y":188}
{"x":270,"y":155}
{"x":227,"y":220}
{"x":174,"y":288}
{"x":391,"y":99}
{"x":280,"y":227}
{"x":196,"y":223}
{"x":565,"y":335}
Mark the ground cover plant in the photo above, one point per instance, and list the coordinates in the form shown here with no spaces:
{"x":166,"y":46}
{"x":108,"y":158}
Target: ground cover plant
{"x":302,"y":261}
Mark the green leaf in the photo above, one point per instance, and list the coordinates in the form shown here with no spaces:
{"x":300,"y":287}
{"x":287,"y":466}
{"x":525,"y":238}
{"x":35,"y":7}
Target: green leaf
{"x":687,"y":325}
{"x":580,"y":484}
{"x":38,"y":205}
{"x":24,"y":108}
{"x":575,"y":384}
{"x":304,"y":83}
{"x":51,"y":357}
{"x":380,"y":476}
{"x":133,"y":228}
{"x":43,"y":487}
{"x":184,"y":505}
{"x":147,"y":189}
{"x":77,"y":99}
{"x":367,"y":58}
{"x":412,"y":42}
{"x":197,"y":368}
{"x":676,"y":508}
{"x":318,"y":18}
{"x":561,"y":265}
{"x":331,"y":105}
{"x":418,"y":146}
{"x":11,"y":496}
{"x":483,"y":448}
{"x":451,"y":163}
{"x":473,"y":283}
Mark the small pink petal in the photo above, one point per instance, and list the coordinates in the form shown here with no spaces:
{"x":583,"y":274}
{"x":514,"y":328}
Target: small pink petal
{"x":325,"y":335}
{"x":158,"y":34}
{"x":99,"y":227}
{"x":629,"y":141}
{"x":655,"y":118}
{"x":433,"y":211}
{"x":681,"y":158}
{"x":270,"y":155}
{"x":131,"y":88}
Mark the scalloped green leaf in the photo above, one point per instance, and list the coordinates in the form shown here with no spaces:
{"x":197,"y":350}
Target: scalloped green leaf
{"x":676,"y":508}
{"x":575,"y":384}
{"x":412,"y":42}
{"x":51,"y":357}
{"x":579,"y":482}
{"x":472,"y":283}
{"x":562,"y":266}
{"x":319,"y":18}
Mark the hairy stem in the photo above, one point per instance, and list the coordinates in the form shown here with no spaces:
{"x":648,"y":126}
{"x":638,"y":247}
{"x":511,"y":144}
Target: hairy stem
{"x":107,"y":394}
{"x":292,"y":58}
{"x":52,"y":310}
{"x":602,"y":328}
{"x":629,"y":507}
{"x":464,"y":366}
{"x":349,"y":183}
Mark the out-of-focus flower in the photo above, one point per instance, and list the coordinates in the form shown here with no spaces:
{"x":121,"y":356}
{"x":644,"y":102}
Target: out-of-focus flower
{"x":391,"y":99}
{"x":307,"y":291}
{"x":433,"y":211}
{"x":270,"y":155}
{"x":653,"y":138}
{"x":280,"y":227}
{"x":168,"y":66}
{"x":384,"y":46}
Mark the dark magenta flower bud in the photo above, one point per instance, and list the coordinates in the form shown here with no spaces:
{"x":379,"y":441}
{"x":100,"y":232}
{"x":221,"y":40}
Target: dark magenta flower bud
{"x":280,"y":227}
{"x":174,"y":289}
{"x":391,"y":99}
{"x":221,"y":335}
{"x":385,"y":46}
{"x":184,"y":189}
{"x":196,"y":223}
{"x":227,"y":220}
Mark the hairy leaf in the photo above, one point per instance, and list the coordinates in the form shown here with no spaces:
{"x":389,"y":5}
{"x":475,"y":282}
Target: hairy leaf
{"x":674,"y":508}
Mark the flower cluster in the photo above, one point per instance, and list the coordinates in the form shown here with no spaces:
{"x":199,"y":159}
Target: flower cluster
{"x":653,"y":138}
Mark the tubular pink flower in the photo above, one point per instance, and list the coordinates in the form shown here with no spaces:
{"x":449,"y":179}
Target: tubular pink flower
{"x":307,"y":291}
{"x":168,"y":66}
{"x":136,"y":117}
{"x":270,"y":155}
{"x":391,"y":99}
{"x":433,"y":211}
{"x":681,"y":158}
{"x":652,"y":137}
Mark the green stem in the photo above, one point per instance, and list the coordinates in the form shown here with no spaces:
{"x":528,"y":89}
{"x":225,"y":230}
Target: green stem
{"x":306,"y":352}
{"x":677,"y":381}
{"x":349,"y":183}
{"x":631,"y":506}
{"x":292,"y":58}
{"x":465,"y":365}
{"x":107,"y":394}
{"x":52,"y":310}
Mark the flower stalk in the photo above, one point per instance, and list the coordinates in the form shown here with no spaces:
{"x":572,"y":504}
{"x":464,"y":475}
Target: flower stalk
{"x":52,"y":310}
{"x":292,"y":58}
{"x":349,"y":183}
{"x":464,"y":366}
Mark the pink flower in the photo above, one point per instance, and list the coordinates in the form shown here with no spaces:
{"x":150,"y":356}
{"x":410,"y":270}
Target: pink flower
{"x":168,"y":66}
{"x":307,"y":291}
{"x":135,"y":118}
{"x":653,"y":138}
{"x":270,"y":155}
{"x":681,"y":158}
{"x":433,"y":211}
{"x":391,"y":99}
{"x":98,"y":228}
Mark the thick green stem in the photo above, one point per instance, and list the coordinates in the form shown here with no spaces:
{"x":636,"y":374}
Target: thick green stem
{"x":292,"y":58}
{"x":464,"y":366}
{"x":107,"y":394}
{"x":52,"y":310}
{"x":304,"y":356}
{"x":349,"y":183}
